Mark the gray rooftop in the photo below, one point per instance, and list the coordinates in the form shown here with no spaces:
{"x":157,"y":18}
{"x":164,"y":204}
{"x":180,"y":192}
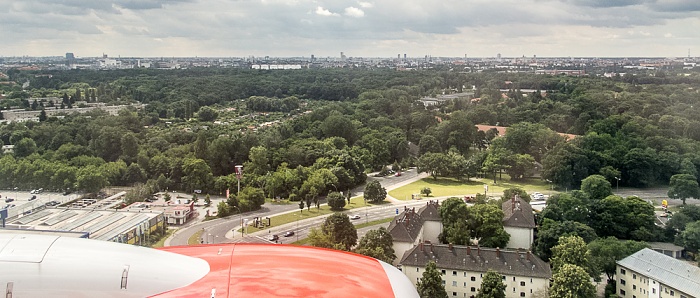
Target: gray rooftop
{"x":672,"y":272}
{"x":430,"y":212}
{"x":477,"y":259}
{"x":406,"y":226}
{"x":518,"y":213}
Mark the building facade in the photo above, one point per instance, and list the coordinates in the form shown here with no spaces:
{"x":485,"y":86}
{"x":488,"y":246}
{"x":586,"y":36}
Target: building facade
{"x":463,"y":268}
{"x":648,"y":273}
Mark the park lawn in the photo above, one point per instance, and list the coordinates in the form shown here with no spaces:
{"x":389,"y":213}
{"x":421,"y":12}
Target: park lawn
{"x":442,"y":187}
{"x":286,"y":218}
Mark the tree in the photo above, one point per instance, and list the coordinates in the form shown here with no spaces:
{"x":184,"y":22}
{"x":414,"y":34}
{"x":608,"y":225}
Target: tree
{"x":624,"y":218}
{"x":513,"y":191}
{"x":683,"y":186}
{"x":454,"y":213}
{"x":25,"y":147}
{"x":571,"y":281}
{"x":485,"y":221}
{"x":520,"y":166}
{"x":336,"y":232}
{"x":690,"y":238}
{"x":492,"y":286}
{"x":596,"y":186}
{"x":336,"y":201}
{"x":430,"y":284}
{"x":207,"y":201}
{"x":550,"y":232}
{"x":377,"y":244}
{"x":428,"y":143}
{"x":436,"y":164}
{"x":207,"y":114}
{"x":374,"y":192}
{"x":426,"y":191}
{"x":572,"y":250}
{"x":42,"y":116}
{"x":223,"y":209}
{"x":605,"y":252}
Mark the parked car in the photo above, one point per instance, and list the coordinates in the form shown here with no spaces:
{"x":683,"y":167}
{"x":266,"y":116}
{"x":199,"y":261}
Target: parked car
{"x":32,"y":198}
{"x":273,"y":238}
{"x":355,"y":217}
{"x":537,"y":196}
{"x":289,"y":234}
{"x":7,"y":200}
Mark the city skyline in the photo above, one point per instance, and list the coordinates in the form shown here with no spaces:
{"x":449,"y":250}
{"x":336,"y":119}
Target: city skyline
{"x":301,"y":28}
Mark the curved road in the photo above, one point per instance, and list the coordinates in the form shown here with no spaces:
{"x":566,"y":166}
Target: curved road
{"x":215,"y":231}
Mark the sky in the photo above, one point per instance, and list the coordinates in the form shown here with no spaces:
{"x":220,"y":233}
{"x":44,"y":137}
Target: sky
{"x":364,"y":28}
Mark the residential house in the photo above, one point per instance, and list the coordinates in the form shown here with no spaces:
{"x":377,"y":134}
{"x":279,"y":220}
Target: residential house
{"x":519,"y":222}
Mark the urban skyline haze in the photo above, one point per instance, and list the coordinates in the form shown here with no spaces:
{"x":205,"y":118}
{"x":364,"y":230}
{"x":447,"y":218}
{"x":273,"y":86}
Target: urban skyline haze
{"x":380,"y":28}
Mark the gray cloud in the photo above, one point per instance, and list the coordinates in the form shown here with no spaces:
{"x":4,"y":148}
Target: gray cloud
{"x":293,"y":27}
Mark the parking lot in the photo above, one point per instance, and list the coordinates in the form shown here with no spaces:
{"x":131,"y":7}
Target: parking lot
{"x":20,"y":201}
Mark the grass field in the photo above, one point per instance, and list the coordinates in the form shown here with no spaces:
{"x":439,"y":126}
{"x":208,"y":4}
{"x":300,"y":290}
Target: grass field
{"x":195,"y":238}
{"x":305,"y":241}
{"x":451,"y":187}
{"x":161,"y":242}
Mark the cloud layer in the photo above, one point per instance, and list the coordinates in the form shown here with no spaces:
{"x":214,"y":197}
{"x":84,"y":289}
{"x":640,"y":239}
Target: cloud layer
{"x":381,"y":28}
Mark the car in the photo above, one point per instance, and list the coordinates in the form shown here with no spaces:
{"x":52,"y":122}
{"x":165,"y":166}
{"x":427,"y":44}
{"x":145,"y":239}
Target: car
{"x":9,"y":206}
{"x":27,"y":212}
{"x":289,"y":234}
{"x":355,"y":217}
{"x":273,"y":238}
{"x":32,"y":198}
{"x":34,"y":191}
{"x":7,"y":200}
{"x":537,"y":196}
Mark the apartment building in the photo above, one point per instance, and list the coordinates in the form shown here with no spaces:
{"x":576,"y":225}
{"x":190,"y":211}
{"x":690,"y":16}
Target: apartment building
{"x":648,"y":273}
{"x":463,"y":268}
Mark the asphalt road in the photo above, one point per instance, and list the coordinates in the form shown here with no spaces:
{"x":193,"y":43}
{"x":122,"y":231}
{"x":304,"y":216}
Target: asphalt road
{"x":216,"y":230}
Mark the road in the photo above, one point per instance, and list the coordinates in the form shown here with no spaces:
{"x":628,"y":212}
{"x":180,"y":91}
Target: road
{"x":220,"y":228}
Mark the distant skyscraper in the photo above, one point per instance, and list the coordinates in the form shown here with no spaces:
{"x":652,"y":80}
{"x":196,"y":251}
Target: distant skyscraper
{"x":342,"y":56}
{"x":498,"y":56}
{"x":398,"y":56}
{"x":312,"y":57}
{"x":404,"y":56}
{"x":70,"y":58}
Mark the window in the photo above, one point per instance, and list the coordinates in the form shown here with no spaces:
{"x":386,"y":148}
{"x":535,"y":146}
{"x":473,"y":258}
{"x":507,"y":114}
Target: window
{"x":653,"y":291}
{"x":531,"y":280}
{"x":622,"y":292}
{"x":513,"y":290}
{"x":522,"y":294}
{"x":454,"y":294}
{"x":513,"y":278}
{"x":417,"y":269}
{"x":504,"y":277}
{"x":443,"y":282}
{"x":634,"y":276}
{"x":634,"y":287}
{"x":454,"y":273}
{"x":622,"y":281}
{"x":522,"y":283}
{"x":473,"y":278}
{"x":465,"y":273}
{"x":454,"y":283}
{"x":622,"y":271}
{"x":473,"y":289}
{"x":672,"y":293}
{"x":442,"y":271}
{"x":465,"y":284}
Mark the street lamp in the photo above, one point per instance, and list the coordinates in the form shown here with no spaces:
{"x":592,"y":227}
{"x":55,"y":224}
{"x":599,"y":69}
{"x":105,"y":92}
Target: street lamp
{"x":240,"y":219}
{"x":239,"y":174}
{"x":618,"y":185}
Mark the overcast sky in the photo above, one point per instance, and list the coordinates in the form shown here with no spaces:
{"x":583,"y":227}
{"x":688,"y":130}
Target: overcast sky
{"x":366,"y":28}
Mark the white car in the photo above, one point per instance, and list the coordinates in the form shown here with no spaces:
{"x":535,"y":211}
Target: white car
{"x":355,"y":217}
{"x":537,"y":196}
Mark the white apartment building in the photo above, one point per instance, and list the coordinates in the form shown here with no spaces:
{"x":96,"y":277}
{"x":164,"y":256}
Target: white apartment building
{"x":652,"y":274}
{"x":463,"y":268}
